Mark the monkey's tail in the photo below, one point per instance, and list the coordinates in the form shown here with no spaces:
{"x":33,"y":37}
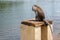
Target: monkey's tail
{"x":48,"y":24}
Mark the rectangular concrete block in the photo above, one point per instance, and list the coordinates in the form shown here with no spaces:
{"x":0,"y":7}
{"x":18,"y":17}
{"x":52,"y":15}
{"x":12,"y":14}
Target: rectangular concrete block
{"x":37,"y":33}
{"x":27,"y":32}
{"x":35,"y":30}
{"x":50,"y":32}
{"x":30,"y":32}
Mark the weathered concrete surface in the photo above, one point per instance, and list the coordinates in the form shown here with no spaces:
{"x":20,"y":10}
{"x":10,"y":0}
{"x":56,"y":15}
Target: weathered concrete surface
{"x":35,"y":30}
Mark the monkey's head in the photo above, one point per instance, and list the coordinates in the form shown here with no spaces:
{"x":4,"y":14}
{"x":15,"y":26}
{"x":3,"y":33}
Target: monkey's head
{"x":34,"y":7}
{"x":39,"y":12}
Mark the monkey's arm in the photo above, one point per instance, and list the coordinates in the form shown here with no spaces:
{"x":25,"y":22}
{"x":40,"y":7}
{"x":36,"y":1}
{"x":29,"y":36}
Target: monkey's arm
{"x":41,"y":13}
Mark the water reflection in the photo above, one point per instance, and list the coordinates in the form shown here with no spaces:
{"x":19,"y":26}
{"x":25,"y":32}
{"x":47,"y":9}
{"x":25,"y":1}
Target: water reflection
{"x":10,"y":19}
{"x":4,"y":5}
{"x":11,"y":14}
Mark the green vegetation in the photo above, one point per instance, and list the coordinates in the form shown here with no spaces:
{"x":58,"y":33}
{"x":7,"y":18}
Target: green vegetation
{"x":5,"y":4}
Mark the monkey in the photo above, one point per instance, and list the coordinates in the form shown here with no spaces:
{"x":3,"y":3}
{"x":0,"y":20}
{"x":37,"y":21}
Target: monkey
{"x":39,"y":13}
{"x":40,"y":16}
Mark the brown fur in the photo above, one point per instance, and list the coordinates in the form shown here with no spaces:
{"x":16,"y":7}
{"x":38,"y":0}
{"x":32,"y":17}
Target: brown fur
{"x":39,"y":13}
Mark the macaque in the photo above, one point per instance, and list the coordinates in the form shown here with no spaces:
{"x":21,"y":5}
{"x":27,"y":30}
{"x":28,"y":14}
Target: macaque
{"x":39,"y":14}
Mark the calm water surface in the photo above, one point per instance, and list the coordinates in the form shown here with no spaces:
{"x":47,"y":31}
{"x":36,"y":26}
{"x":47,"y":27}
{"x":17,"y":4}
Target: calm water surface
{"x":12,"y":13}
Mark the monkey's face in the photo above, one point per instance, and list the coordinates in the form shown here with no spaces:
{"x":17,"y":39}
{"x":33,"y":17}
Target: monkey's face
{"x":34,"y":8}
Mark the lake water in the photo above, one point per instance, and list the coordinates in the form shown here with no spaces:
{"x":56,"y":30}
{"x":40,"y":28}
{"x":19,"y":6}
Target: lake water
{"x":12,"y":13}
